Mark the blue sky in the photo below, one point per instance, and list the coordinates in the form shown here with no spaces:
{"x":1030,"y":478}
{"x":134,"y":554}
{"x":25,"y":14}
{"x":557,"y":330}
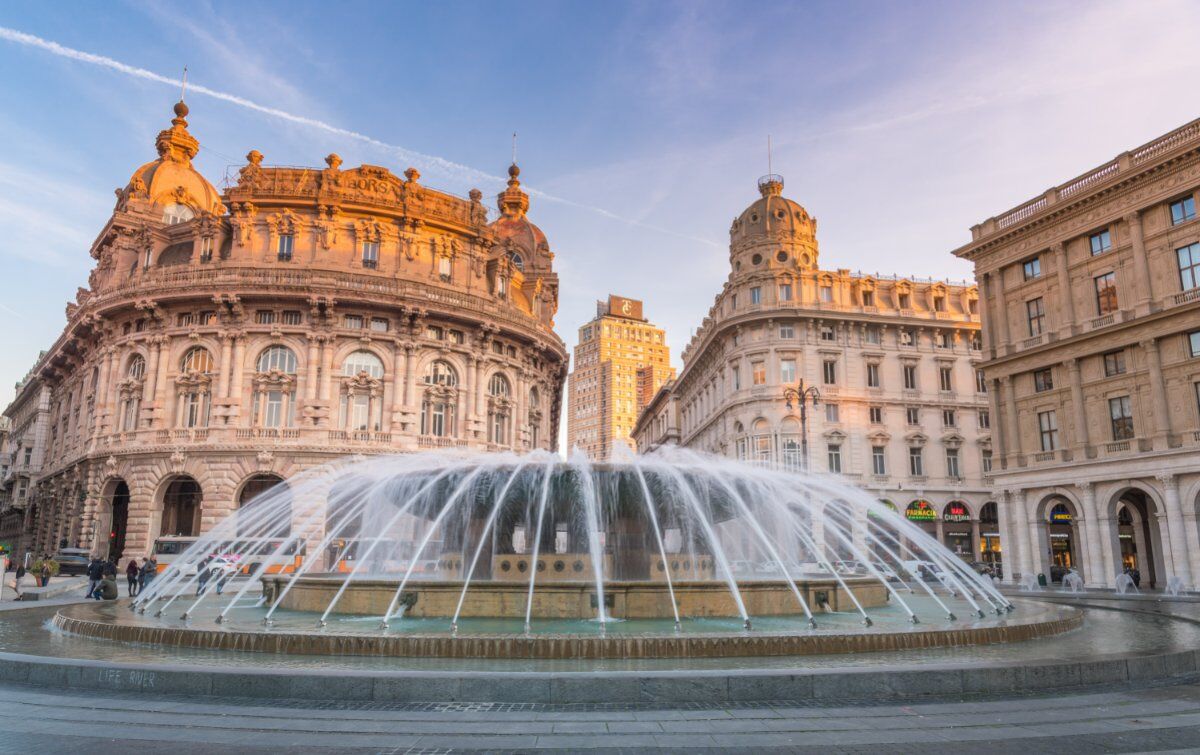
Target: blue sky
{"x":898,"y":124}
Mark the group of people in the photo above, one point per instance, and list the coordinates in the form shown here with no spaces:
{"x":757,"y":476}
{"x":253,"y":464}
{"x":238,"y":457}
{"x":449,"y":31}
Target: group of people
{"x":1135,"y":576}
{"x":209,"y":569}
{"x":102,"y":577}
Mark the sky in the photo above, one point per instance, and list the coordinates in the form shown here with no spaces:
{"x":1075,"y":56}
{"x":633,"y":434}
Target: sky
{"x":642,"y":127}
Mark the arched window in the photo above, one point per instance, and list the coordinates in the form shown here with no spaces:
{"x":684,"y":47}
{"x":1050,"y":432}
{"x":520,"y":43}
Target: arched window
{"x":192,"y":387}
{"x":275,"y":387}
{"x":181,"y":507}
{"x":177,"y":213}
{"x":438,"y":404}
{"x":761,"y":442}
{"x":535,"y":418}
{"x":518,"y":262}
{"x":130,"y":392}
{"x":791,"y":449}
{"x":271,"y":513}
{"x":362,"y":392}
{"x":499,"y":409}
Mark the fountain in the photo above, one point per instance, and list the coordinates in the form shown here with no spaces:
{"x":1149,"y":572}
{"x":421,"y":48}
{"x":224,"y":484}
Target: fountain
{"x":1174,"y":586}
{"x":499,"y":555}
{"x":1124,"y":584}
{"x":1072,"y":582}
{"x":1029,"y":583}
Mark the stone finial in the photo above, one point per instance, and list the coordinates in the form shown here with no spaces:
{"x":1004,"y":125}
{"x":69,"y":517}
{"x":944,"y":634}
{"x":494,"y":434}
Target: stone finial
{"x":333,"y":160}
{"x":412,"y":174}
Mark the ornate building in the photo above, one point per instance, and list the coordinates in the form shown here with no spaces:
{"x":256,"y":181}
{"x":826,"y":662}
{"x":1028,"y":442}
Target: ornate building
{"x":1093,"y":353}
{"x":227,"y":341}
{"x":902,"y":412}
{"x":621,"y":359}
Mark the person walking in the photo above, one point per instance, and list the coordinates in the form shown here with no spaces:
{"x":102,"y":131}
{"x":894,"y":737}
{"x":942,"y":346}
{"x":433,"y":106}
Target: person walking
{"x":17,"y":581}
{"x":1136,"y":576}
{"x":95,"y":573}
{"x":145,"y":575}
{"x":203,"y":574}
{"x":45,"y":573}
{"x":131,"y":576}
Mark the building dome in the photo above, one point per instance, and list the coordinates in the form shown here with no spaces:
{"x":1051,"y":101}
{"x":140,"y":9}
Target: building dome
{"x":171,"y":181}
{"x":513,"y":225}
{"x":777,"y":222}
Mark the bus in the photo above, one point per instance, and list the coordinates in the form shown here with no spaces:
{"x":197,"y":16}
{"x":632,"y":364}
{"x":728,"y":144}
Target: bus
{"x":250,"y":553}
{"x":388,"y":554}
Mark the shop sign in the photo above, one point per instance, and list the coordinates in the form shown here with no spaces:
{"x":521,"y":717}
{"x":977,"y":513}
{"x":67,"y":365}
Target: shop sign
{"x":920,"y":511}
{"x":956,"y":512}
{"x":1060,"y":514}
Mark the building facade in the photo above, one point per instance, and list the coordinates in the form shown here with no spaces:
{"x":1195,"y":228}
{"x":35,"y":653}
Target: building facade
{"x":1092,"y":334}
{"x":225,"y":342}
{"x":28,"y":419}
{"x":902,"y":412}
{"x":621,"y":360}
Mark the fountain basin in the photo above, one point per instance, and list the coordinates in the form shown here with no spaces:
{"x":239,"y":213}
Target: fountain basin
{"x":571,"y":600}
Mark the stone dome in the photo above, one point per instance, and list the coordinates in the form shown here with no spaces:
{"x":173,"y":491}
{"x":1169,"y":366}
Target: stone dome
{"x":513,"y":225}
{"x":772,"y":216}
{"x":171,"y":179}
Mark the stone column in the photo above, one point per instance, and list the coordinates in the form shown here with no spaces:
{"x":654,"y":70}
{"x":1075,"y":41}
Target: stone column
{"x":472,"y":377}
{"x":1094,"y":566}
{"x":1010,"y":545}
{"x":101,"y":392}
{"x":160,"y":388}
{"x":1020,"y":525}
{"x":1144,"y":285}
{"x":235,"y":370}
{"x":150,"y":386}
{"x":1067,"y":294}
{"x":1158,"y":392}
{"x":326,"y":370}
{"x":1082,"y":434}
{"x":1176,"y":532}
{"x":1000,"y":307}
{"x":312,"y":368}
{"x":410,"y":375}
{"x":1191,"y":533}
{"x":1012,"y":432}
{"x":1037,"y":554}
{"x":976,"y":552}
{"x":226,"y":365}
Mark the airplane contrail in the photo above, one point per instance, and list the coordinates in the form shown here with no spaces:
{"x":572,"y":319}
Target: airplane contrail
{"x":448,"y":167}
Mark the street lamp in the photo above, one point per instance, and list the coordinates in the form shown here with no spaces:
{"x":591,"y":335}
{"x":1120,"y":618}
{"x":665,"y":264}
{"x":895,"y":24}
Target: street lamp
{"x":802,"y":395}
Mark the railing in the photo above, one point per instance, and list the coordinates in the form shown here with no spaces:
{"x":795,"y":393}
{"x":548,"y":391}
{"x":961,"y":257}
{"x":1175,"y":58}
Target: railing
{"x":1101,"y":322}
{"x":1044,"y":456}
{"x":1188,"y":296}
{"x":1029,"y":343}
{"x":257,"y":432}
{"x":433,"y":441}
{"x":1116,"y":447}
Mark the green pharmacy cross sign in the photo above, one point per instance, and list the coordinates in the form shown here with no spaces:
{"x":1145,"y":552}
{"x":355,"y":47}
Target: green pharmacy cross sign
{"x":920,"y":511}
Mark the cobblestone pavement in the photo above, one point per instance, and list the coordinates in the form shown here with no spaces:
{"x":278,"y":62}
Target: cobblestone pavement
{"x":1149,"y":719}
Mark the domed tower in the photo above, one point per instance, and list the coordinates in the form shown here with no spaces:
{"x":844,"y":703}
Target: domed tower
{"x":773,"y":234}
{"x":170,"y":183}
{"x":523,"y":260}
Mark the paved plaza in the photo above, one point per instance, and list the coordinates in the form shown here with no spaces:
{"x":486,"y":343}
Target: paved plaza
{"x":1155,"y":718}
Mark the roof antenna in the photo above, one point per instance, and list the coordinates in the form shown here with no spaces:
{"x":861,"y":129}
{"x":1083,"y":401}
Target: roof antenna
{"x":514,"y":160}
{"x":768,"y":150}
{"x":183,"y":88}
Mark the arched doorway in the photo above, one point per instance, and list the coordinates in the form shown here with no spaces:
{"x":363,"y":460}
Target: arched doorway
{"x":989,"y":537}
{"x":924,"y":515}
{"x":119,"y":525}
{"x":269,"y":514}
{"x":1063,"y":539}
{"x":882,"y":535}
{"x":1139,"y":543}
{"x":181,"y":508}
{"x":956,"y":530}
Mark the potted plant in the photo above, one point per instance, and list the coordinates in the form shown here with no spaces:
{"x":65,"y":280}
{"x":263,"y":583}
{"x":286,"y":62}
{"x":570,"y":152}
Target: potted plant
{"x":36,"y":569}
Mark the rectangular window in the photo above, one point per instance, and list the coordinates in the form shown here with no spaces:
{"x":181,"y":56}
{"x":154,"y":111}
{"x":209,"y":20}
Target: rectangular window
{"x":370,"y":254}
{"x":876,"y":415}
{"x":941,"y":340}
{"x":910,"y":377}
{"x":986,"y":461}
{"x":1033,"y":268}
{"x":904,"y":301}
{"x":1048,"y":430}
{"x":939,"y":304}
{"x":1035,"y":311}
{"x":829,"y":372}
{"x":1183,"y":210}
{"x":444,"y":268}
{"x":756,"y":295}
{"x":827,"y":333}
{"x":1100,"y":242}
{"x":785,"y":292}
{"x":1120,"y":410}
{"x":949,"y":418}
{"x":1043,"y":380}
{"x":831,"y":413}
{"x":946,"y":378}
{"x":205,"y":317}
{"x":379,"y":324}
{"x":912,"y":415}
{"x":1194,"y":343}
{"x":985,"y":419}
{"x":872,"y":376}
{"x":827,"y":294}
{"x":980,"y":382}
{"x":835,"y":458}
{"x":906,"y":338}
{"x":787,"y":371}
{"x":184,"y":319}
{"x":952,"y":470}
{"x":733,"y":301}
{"x":354,"y":322}
{"x":868,"y":298}
{"x":206,"y":249}
{"x":292,"y":317}
{"x":456,"y":336}
{"x":497,"y":347}
{"x":878,"y":460}
{"x":1106,"y":293}
{"x":1114,"y":363}
{"x":872,"y":335}
{"x":1189,"y":266}
{"x":787,"y":331}
{"x":283,"y":247}
{"x":916,"y":462}
{"x":737,"y":378}
{"x":758,"y":371}
{"x":264,"y":317}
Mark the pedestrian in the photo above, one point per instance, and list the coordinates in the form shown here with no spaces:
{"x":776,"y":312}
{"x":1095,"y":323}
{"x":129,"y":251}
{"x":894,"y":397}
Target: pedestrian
{"x":17,"y":581}
{"x":144,"y":576}
{"x":108,"y":588}
{"x":131,"y":576}
{"x":203,"y":573}
{"x":226,"y":573}
{"x":110,"y":568}
{"x":1136,"y":576}
{"x":95,"y":573}
{"x":45,"y":572}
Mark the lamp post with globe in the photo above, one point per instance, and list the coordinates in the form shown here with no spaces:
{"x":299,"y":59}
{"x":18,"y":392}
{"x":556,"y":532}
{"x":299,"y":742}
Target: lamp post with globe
{"x":802,"y":395}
